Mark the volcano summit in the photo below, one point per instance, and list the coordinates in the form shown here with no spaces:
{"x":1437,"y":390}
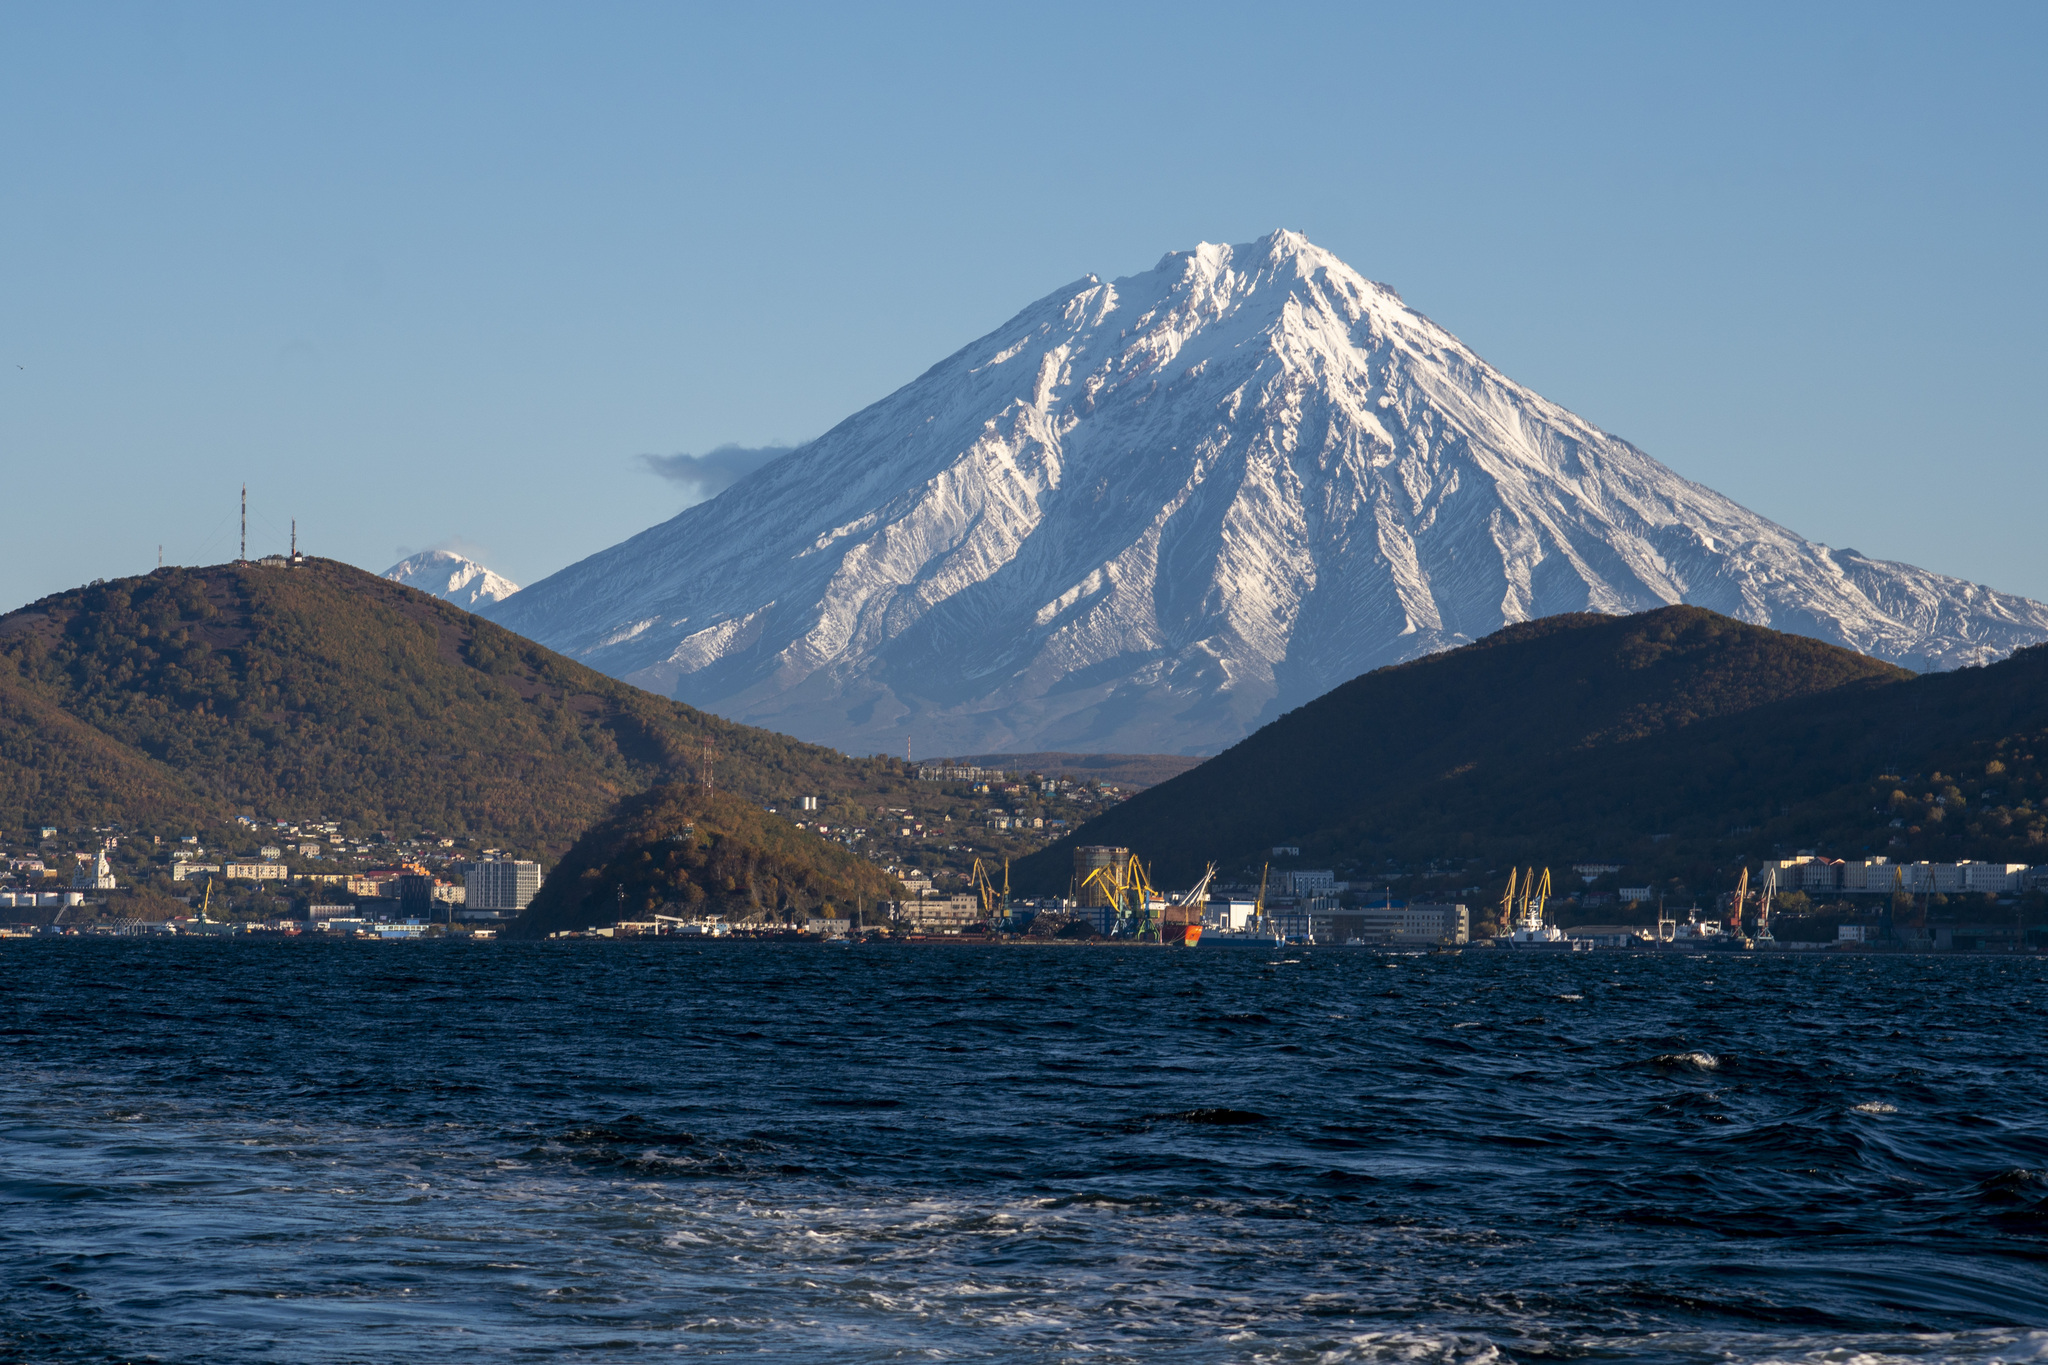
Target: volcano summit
{"x":1149,"y":515}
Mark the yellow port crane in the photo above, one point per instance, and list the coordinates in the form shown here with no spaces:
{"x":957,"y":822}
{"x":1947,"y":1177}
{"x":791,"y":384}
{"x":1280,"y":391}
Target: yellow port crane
{"x":1145,"y":902}
{"x":994,"y":904}
{"x":1109,"y":880}
{"x":1142,"y":912}
{"x":1126,"y":889}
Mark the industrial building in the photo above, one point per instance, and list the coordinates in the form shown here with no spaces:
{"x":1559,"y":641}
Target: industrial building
{"x":1229,"y":914}
{"x":1413,"y":924}
{"x":944,"y":913}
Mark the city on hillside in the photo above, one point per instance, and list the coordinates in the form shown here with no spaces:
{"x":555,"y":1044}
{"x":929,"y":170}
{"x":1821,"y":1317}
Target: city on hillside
{"x":283,"y":877}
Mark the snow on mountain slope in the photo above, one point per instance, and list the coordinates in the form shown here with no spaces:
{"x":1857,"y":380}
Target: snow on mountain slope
{"x":1148,"y":515}
{"x":452,"y":578}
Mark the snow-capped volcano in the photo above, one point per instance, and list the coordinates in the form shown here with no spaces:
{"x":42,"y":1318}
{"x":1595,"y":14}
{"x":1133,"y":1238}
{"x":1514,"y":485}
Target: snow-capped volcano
{"x":1147,"y":515}
{"x":452,"y":578}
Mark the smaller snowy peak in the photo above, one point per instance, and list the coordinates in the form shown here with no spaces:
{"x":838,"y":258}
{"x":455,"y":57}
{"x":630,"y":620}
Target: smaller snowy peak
{"x":452,"y":578}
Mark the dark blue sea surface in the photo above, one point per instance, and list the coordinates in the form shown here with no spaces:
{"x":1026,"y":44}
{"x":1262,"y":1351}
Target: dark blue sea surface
{"x":226,"y":1152}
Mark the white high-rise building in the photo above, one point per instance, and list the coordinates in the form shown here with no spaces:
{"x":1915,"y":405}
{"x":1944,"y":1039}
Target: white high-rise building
{"x":501,"y":884}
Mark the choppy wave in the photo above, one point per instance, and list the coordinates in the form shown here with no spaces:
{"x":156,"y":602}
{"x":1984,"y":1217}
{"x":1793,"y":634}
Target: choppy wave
{"x":433,"y":1153}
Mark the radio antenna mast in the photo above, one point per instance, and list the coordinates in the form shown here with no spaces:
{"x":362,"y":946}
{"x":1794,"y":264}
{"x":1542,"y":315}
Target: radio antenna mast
{"x":245,"y":526}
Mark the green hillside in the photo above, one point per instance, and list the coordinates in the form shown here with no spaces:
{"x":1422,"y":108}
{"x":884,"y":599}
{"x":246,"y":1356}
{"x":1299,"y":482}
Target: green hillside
{"x":680,"y":849}
{"x":1676,"y":741}
{"x":192,"y":695}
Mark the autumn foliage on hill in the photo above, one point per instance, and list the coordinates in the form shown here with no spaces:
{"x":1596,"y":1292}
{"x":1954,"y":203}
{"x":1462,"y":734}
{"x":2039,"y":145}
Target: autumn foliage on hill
{"x":323,"y":691}
{"x":688,"y":852}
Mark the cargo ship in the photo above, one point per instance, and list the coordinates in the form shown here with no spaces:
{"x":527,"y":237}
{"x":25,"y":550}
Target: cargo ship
{"x":1259,"y":934}
{"x":1180,"y":920}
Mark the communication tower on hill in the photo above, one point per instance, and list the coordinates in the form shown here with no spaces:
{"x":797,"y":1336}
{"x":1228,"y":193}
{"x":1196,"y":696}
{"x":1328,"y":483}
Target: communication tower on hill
{"x":243,"y":557}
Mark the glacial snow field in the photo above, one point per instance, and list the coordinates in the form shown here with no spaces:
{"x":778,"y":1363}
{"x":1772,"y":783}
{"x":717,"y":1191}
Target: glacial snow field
{"x":1148,"y":515}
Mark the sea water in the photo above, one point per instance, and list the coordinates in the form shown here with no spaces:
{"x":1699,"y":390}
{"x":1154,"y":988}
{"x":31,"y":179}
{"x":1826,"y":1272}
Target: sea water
{"x":241,"y":1151}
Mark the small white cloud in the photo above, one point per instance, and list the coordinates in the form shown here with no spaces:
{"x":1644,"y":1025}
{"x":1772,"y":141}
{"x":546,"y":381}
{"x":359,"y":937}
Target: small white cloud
{"x":707,"y":475}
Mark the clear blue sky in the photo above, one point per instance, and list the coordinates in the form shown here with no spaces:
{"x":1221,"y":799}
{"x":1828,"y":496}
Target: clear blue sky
{"x":438,"y":274}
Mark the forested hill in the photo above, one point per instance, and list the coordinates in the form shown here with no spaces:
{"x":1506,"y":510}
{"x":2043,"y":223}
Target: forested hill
{"x":680,"y":849}
{"x":321,"y":690}
{"x":1671,"y":740}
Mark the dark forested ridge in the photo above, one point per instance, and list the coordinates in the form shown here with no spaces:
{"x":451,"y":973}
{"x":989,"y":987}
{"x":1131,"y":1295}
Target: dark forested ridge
{"x":1671,"y":740}
{"x":195,"y":694}
{"x":691,"y":852}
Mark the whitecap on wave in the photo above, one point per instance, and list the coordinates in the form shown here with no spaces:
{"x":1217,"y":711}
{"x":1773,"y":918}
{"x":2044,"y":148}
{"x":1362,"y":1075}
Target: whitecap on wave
{"x":1423,"y":1348}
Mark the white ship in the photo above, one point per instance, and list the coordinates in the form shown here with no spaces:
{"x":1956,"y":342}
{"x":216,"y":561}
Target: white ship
{"x":1526,"y":915}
